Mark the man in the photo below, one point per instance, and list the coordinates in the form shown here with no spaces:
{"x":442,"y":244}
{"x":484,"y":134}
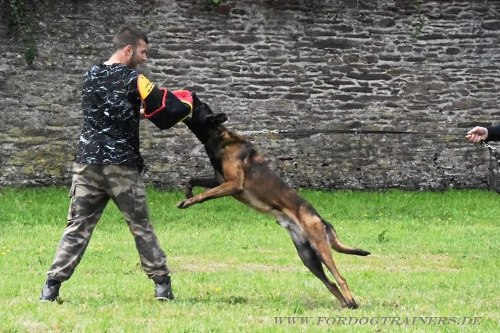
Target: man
{"x":479,"y":134}
{"x":108,"y":165}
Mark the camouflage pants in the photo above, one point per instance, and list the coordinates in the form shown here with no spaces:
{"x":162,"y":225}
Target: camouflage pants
{"x":92,"y":187}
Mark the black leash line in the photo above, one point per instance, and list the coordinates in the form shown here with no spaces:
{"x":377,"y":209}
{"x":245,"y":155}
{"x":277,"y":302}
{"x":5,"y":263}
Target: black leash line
{"x":309,"y":132}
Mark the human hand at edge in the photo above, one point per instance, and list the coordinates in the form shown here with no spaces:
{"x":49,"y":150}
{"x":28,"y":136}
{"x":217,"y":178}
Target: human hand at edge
{"x":477,"y":134}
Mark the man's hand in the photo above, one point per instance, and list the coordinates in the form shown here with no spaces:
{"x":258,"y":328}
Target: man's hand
{"x":477,"y":134}
{"x":141,"y":113}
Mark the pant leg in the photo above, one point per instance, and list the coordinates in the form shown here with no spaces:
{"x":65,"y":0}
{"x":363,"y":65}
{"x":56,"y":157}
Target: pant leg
{"x":128,"y":191}
{"x":88,"y":200}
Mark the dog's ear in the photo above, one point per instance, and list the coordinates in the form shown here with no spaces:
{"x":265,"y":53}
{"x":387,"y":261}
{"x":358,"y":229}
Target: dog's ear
{"x":220,"y":118}
{"x":217,"y":119}
{"x":196,"y":100}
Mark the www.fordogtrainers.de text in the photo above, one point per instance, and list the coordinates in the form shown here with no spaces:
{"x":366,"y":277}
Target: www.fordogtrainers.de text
{"x":386,"y":320}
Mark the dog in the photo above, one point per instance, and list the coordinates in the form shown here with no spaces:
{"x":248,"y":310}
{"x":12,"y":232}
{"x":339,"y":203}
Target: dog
{"x":241,"y":172}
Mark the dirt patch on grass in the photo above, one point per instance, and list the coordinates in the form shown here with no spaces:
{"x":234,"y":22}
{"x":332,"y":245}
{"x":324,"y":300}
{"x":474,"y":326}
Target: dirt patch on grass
{"x":405,"y":263}
{"x":191,"y":264}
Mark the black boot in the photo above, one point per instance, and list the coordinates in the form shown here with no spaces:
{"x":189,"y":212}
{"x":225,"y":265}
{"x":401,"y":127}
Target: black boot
{"x":163,"y":289}
{"x":50,"y":291}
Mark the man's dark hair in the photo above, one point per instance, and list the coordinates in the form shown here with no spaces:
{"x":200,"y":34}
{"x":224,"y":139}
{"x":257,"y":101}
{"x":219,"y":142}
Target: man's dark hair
{"x":128,"y":36}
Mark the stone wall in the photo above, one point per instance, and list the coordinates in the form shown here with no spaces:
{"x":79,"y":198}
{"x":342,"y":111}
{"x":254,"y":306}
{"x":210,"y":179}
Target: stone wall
{"x":310,"y":67}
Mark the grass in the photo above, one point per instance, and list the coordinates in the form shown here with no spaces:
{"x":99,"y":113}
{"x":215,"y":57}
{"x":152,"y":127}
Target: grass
{"x":235,"y":270}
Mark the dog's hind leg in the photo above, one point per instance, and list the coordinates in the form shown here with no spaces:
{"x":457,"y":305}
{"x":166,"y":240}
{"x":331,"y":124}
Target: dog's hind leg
{"x":317,"y":235}
{"x":310,"y":257}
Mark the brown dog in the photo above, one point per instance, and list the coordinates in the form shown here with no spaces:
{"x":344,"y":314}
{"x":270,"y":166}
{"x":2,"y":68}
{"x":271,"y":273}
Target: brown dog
{"x":242,"y":173}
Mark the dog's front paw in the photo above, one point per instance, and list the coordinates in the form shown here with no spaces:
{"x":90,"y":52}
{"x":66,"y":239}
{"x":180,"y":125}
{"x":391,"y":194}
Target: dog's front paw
{"x":183,"y":204}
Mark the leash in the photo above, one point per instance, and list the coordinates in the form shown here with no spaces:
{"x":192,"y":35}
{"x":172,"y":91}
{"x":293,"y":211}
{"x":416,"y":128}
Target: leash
{"x":310,"y":132}
{"x":492,"y":149}
{"x":494,"y":166}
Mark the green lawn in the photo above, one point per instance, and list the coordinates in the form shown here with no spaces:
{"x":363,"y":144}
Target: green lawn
{"x":434,"y":265}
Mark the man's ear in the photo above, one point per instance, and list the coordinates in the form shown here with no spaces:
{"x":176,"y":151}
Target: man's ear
{"x":128,"y":50}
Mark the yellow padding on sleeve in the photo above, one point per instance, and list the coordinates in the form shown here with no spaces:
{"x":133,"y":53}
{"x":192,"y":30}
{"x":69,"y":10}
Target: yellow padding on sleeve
{"x":144,"y":86}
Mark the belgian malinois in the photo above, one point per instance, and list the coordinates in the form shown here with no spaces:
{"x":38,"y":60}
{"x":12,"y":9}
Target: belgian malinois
{"x":241,"y":172}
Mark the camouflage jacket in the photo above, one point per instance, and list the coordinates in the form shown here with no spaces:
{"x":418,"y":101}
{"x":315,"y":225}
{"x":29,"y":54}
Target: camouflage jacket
{"x":111,"y":104}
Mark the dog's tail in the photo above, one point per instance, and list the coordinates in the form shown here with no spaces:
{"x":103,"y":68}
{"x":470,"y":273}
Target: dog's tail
{"x":338,"y":246}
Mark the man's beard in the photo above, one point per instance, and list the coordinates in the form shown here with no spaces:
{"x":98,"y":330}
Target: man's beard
{"x":133,"y":61}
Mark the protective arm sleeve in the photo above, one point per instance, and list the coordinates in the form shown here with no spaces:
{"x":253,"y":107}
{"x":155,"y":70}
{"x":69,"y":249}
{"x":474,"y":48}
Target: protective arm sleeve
{"x":163,"y":107}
